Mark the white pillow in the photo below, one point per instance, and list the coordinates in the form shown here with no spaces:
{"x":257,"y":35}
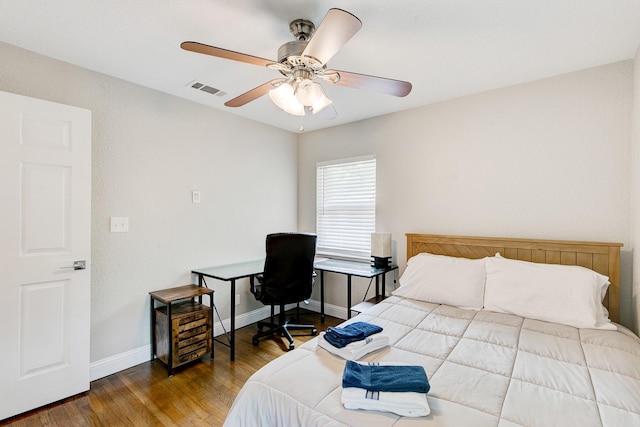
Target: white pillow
{"x":565,"y":294}
{"x":444,"y":280}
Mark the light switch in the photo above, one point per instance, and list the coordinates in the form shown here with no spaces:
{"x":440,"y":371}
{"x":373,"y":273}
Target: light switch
{"x":119,"y":224}
{"x":195,"y":196}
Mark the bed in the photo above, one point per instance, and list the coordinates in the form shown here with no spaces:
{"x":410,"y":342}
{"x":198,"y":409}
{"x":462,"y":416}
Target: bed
{"x":485,"y":367}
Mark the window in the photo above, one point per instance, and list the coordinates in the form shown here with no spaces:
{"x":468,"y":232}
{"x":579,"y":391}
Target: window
{"x":346,"y":207}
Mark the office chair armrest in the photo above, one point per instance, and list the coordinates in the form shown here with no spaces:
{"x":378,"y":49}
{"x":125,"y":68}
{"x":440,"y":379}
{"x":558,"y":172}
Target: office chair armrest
{"x":256,"y":289}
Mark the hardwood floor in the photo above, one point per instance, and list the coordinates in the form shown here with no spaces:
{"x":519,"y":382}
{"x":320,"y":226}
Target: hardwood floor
{"x":198,"y":394}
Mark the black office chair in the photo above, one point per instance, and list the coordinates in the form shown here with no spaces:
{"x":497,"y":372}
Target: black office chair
{"x":287,"y":279}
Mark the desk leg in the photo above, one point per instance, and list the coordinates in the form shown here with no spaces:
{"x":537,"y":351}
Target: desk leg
{"x":348,"y":296}
{"x":213,"y":305}
{"x":170,"y":339}
{"x":232,"y":332}
{"x":321,"y":296}
{"x":153,"y":329}
{"x":384,"y":285}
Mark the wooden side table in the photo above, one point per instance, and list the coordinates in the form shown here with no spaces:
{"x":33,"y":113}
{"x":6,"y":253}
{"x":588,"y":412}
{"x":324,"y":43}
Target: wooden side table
{"x":181,"y":329}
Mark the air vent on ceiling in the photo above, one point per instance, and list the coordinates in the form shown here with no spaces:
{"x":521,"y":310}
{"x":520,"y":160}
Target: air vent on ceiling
{"x":205,"y":88}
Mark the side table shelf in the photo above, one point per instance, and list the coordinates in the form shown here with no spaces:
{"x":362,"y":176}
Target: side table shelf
{"x":182,"y":328}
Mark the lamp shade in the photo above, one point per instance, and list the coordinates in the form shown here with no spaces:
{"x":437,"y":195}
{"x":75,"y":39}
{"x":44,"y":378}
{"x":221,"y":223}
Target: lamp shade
{"x":321,"y":103}
{"x":308,"y":92}
{"x":381,"y":245}
{"x":284,"y":98}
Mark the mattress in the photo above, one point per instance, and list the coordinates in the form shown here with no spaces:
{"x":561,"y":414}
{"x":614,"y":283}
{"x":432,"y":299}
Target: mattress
{"x":485,"y":369}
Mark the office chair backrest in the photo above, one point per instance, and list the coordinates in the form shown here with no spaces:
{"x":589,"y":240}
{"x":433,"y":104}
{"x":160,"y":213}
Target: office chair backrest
{"x":288,"y":268}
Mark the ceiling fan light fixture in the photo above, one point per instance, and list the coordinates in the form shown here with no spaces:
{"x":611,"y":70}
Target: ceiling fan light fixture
{"x":284,"y":98}
{"x":321,"y":103}
{"x":308,"y":92}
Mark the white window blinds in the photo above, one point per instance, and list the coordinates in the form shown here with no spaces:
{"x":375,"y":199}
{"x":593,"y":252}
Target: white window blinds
{"x":346,"y":206}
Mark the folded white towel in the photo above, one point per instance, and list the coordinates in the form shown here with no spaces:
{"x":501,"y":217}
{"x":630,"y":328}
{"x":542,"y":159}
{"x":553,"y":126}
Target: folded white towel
{"x":406,"y":404}
{"x":357,"y":349}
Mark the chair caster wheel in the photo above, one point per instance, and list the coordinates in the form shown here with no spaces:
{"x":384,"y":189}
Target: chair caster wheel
{"x":255,"y":341}
{"x":291,"y":346}
{"x":314,"y":332}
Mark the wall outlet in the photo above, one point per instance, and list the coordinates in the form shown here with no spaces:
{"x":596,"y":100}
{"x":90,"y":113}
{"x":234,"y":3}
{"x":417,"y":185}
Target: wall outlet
{"x":195,"y":196}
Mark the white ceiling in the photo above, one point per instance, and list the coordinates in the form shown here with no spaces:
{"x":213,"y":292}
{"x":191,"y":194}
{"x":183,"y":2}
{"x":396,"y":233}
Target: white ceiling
{"x":445,"y":48}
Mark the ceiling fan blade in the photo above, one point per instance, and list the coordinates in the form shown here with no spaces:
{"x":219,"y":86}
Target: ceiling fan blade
{"x":253,"y":94}
{"x":225,"y":54}
{"x":363,"y":81}
{"x":337,"y":27}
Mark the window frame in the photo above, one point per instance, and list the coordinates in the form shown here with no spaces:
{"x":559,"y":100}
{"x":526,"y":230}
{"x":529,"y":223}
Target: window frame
{"x":357,"y":245}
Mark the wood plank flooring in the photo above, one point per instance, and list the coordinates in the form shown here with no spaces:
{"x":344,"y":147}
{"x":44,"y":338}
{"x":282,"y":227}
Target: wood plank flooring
{"x":198,"y":394}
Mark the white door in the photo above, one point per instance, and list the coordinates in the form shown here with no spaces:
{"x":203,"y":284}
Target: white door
{"x":45,"y":226}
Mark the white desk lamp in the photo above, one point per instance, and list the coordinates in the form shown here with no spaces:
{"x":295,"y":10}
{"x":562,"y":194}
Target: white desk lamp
{"x":381,"y":250}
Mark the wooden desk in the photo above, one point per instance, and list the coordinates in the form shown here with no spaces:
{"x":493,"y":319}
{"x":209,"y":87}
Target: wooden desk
{"x":182,"y":329}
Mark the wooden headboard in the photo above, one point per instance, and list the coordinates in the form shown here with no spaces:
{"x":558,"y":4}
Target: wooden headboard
{"x":603,"y":258}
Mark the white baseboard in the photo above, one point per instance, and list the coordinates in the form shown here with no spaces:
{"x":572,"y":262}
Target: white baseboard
{"x":119,"y":362}
{"x":329,"y":309}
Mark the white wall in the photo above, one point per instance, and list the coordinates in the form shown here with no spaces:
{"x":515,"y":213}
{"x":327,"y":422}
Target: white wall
{"x":150,"y":150}
{"x":545,"y":159}
{"x":635,"y":156}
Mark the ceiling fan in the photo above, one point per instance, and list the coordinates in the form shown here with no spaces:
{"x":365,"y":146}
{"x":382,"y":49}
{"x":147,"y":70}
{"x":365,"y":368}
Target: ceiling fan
{"x":304,"y":60}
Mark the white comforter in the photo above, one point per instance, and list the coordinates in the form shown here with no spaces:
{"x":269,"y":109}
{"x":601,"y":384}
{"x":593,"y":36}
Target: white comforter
{"x":485,"y":369}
